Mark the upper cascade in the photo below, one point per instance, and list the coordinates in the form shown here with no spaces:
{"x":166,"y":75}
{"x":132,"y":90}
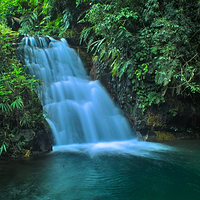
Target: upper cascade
{"x":78,"y":110}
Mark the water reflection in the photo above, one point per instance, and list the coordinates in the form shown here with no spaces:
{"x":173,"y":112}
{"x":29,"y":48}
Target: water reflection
{"x":70,"y":174}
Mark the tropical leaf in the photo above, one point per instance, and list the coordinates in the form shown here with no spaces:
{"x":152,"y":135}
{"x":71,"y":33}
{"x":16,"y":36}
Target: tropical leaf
{"x":18,"y":103}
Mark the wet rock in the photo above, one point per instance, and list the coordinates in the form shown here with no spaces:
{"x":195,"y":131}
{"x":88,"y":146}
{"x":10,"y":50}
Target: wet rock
{"x":154,"y":120}
{"x":29,"y":141}
{"x":41,"y":142}
{"x":141,"y":137}
{"x":162,"y":136}
{"x":25,"y":135}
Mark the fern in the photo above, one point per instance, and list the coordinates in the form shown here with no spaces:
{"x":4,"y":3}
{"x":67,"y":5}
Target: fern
{"x":18,"y":103}
{"x":26,"y":119}
{"x":125,"y":65}
{"x":96,"y":45}
{"x":114,"y":67}
{"x":5,"y":107}
{"x":86,"y":34}
{"x":3,"y":148}
{"x":67,"y":18}
{"x":28,"y":22}
{"x":103,"y":52}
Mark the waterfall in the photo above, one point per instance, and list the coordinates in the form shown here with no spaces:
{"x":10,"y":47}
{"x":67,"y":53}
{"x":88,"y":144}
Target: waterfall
{"x":77,"y":109}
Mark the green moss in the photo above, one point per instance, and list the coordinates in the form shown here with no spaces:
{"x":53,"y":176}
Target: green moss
{"x":164,"y":136}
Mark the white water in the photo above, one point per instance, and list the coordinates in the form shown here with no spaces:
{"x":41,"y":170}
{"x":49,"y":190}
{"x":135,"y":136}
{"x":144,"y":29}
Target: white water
{"x":127,"y":147}
{"x":77,"y":109}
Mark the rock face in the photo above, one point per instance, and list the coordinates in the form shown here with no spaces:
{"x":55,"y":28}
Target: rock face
{"x":27,"y":142}
{"x":40,"y":143}
{"x":174,"y":119}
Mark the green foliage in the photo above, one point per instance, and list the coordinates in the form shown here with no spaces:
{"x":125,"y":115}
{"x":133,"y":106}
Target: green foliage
{"x":42,"y":17}
{"x":6,"y":8}
{"x":49,"y":17}
{"x":151,"y":44}
{"x":28,"y":21}
{"x":110,"y":24}
{"x":19,"y":105}
{"x":6,"y":48}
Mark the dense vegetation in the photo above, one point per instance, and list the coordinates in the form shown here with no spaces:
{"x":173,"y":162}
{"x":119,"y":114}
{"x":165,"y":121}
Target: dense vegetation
{"x":149,"y":49}
{"x":20,"y":108}
{"x":154,"y":45}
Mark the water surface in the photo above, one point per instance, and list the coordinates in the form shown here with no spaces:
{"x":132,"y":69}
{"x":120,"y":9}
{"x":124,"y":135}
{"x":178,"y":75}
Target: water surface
{"x":119,"y":170}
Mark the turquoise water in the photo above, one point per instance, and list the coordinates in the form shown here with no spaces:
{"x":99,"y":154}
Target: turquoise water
{"x":124,"y":171}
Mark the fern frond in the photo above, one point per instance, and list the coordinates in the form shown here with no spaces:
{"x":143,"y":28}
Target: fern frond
{"x":29,"y":20}
{"x":114,"y":67}
{"x":103,"y":52}
{"x":124,"y":67}
{"x":96,"y":45}
{"x":86,"y":32}
{"x":5,"y":107}
{"x":18,"y":103}
{"x":67,"y":18}
{"x":25,"y":119}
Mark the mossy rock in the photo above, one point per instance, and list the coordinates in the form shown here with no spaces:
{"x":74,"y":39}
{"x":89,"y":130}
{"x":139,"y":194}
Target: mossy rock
{"x":154,"y":120}
{"x":163,"y":136}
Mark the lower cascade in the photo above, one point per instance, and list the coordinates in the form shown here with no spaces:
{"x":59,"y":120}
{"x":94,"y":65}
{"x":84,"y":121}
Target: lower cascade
{"x":77,"y":109}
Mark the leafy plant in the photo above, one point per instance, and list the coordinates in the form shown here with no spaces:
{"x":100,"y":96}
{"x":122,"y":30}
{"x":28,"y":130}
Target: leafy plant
{"x":152,"y":45}
{"x":19,"y":105}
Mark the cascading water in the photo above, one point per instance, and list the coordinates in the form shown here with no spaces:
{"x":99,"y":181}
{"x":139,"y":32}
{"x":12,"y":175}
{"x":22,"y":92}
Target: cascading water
{"x":78,"y":110}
